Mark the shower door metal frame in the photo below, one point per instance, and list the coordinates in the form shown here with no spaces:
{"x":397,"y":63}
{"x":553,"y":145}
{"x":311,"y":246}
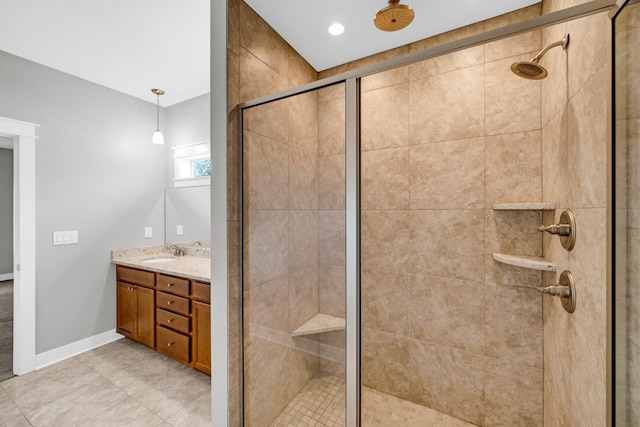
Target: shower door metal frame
{"x":352,"y":166}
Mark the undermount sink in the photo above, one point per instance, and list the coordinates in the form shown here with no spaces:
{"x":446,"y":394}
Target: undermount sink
{"x":157,"y":260}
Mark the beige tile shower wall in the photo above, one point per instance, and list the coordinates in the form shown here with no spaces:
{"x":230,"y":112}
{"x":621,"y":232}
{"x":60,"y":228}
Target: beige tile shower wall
{"x":442,"y":141}
{"x":627,"y":36}
{"x":331,"y":231}
{"x":574,"y":147}
{"x":282,"y":279}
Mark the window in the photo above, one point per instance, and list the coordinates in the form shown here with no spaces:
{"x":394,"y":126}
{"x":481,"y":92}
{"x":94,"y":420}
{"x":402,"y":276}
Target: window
{"x":192,"y":164}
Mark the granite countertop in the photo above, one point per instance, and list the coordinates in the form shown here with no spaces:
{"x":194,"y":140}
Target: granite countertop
{"x":195,"y":264}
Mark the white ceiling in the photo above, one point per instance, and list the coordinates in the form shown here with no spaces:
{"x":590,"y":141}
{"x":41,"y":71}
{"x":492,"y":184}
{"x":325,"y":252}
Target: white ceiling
{"x":304,"y":24}
{"x":134,"y":45}
{"x":127,"y":45}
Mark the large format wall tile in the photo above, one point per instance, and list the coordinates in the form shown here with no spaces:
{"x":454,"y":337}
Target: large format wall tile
{"x":512,"y":103}
{"x":386,"y":240}
{"x":515,"y":45}
{"x":385,"y":179}
{"x":386,"y":362}
{"x":448,"y":380}
{"x":331,"y":182}
{"x":513,"y":232}
{"x":447,"y":106}
{"x":448,"y":175}
{"x":303,"y":179}
{"x":514,"y":163}
{"x":266,"y":247}
{"x":266,"y":176}
{"x":303,"y":239}
{"x":257,"y":79}
{"x":513,"y":395}
{"x":448,"y":312}
{"x":447,"y":244}
{"x":331,"y":127}
{"x":331,"y":290}
{"x":513,"y":324}
{"x":385,"y":117}
{"x":587,"y":134}
{"x":331,"y":232}
{"x":384,"y":301}
{"x":588,"y":50}
{"x":303,"y":296}
{"x":267,"y":305}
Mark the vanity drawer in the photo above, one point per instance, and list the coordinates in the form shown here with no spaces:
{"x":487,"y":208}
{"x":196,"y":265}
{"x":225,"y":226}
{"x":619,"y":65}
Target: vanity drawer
{"x":173,"y":285}
{"x":136,"y":277}
{"x":202,"y":292}
{"x":172,"y":320}
{"x":173,"y":344}
{"x":172,"y":303}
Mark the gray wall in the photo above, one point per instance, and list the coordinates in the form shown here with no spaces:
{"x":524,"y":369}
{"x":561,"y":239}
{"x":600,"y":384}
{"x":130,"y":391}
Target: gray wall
{"x":6,"y":211}
{"x":186,"y":123}
{"x":98,"y":173}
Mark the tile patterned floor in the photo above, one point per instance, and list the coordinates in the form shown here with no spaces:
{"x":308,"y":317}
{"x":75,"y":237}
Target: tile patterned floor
{"x":126,"y":384}
{"x":321,"y":403}
{"x":6,"y":329}
{"x":119,"y":384}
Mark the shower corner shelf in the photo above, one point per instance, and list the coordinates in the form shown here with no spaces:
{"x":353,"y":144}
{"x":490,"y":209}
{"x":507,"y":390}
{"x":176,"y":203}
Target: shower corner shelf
{"x":530,"y":262}
{"x":524,"y":206}
{"x":318,"y":324}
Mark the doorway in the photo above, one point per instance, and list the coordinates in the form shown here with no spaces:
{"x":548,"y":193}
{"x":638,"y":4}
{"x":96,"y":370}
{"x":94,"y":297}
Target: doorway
{"x":22,"y":140}
{"x":6,"y":258}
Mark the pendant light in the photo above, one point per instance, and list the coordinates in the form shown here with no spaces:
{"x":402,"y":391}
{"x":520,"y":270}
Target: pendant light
{"x":157,"y":139}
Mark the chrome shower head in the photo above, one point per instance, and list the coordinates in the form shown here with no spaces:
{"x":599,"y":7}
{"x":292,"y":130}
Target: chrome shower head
{"x":394,"y":17}
{"x":532,"y":70}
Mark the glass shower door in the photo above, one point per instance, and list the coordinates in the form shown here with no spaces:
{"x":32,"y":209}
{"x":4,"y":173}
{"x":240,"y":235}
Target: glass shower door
{"x":294,"y":260}
{"x":449,"y":337}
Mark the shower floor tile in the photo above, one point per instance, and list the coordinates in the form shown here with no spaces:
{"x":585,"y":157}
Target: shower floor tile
{"x":321,"y":403}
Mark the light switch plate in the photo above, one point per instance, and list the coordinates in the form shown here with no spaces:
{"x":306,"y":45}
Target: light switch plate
{"x":65,"y":237}
{"x":179,"y":231}
{"x":148,"y":232}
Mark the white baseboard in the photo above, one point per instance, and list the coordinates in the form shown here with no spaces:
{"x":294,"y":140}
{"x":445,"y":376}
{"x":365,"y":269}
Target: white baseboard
{"x":8,"y":276}
{"x":66,"y":351}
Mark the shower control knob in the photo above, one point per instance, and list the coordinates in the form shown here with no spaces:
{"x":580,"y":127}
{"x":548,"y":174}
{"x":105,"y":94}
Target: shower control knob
{"x":565,"y":228}
{"x":558,"y":229}
{"x":565,"y":289}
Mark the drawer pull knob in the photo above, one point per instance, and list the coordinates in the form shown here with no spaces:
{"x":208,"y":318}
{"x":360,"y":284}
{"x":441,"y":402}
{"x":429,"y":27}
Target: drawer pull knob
{"x":169,"y":285}
{"x":169,"y":320}
{"x":169,"y":302}
{"x":169,"y":344}
{"x":130,"y":288}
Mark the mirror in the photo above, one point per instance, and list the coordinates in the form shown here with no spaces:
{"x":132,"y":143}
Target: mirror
{"x":187,"y":217}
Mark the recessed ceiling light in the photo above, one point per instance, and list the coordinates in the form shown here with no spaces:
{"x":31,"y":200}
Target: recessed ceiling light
{"x":336,"y":29}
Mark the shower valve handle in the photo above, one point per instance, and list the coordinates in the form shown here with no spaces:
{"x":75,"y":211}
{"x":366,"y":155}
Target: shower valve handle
{"x":558,"y":229}
{"x":556,"y":290}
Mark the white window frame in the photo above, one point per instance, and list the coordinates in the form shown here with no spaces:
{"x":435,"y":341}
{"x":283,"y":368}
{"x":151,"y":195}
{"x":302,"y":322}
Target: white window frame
{"x":190,"y":181}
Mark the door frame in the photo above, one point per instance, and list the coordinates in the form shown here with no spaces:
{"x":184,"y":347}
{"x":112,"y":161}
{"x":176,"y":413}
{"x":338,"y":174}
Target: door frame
{"x":23,"y":136}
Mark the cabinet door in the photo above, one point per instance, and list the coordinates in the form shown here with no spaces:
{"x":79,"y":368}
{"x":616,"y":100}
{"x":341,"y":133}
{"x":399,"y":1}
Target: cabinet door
{"x":201,"y":337}
{"x":125,"y":309}
{"x":145,"y":316}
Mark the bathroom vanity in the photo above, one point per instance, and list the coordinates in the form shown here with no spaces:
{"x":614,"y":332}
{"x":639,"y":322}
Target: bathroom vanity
{"x":163,"y":302}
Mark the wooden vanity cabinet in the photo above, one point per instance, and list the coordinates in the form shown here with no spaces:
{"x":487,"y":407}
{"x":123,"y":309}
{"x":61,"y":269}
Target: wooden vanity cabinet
{"x":171,"y":314}
{"x":173,"y":309}
{"x":201,"y":316}
{"x":136,"y":305}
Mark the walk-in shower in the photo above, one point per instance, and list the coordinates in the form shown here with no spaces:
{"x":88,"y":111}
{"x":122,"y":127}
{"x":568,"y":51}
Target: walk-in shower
{"x":373,"y":205}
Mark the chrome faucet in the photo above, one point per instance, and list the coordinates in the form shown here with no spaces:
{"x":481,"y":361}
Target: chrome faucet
{"x":176,"y":250}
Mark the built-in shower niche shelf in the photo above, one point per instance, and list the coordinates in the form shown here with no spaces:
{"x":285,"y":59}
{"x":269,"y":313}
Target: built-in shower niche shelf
{"x":318,"y":324}
{"x":524,"y":206}
{"x":530,"y":262}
